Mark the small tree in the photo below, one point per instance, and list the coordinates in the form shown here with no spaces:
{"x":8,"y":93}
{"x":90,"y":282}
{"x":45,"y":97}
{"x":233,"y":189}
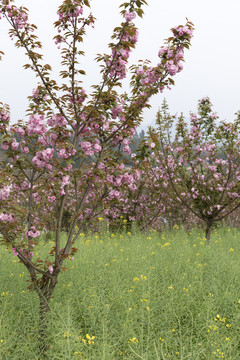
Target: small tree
{"x":64,"y":158}
{"x":142,"y":200}
{"x":199,"y":166}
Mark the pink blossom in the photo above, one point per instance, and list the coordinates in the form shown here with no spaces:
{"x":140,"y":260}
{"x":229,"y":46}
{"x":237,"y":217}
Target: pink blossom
{"x":105,"y":125}
{"x":116,"y":111}
{"x":129,"y":16}
{"x":214,"y":116}
{"x":7,"y":217}
{"x":62,"y":154}
{"x":171,"y":67}
{"x":101,"y":166}
{"x":88,"y":211}
{"x":51,"y":199}
{"x":24,"y":148}
{"x":114,"y":194}
{"x":97,"y":148}
{"x":35,"y":93}
{"x":5,"y":145}
{"x":25,"y":185}
{"x":163,"y":50}
{"x":57,"y":120}
{"x":20,"y":131}
{"x":128,"y":178}
{"x":233,"y":195}
{"x":127,"y":149}
{"x":140,"y":70}
{"x":42,"y":158}
{"x":65,"y":180}
{"x":33,"y":232}
{"x":4,"y":119}
{"x":5,"y":192}
{"x":87,"y":148}
{"x":15,"y":253}
{"x":36,"y":125}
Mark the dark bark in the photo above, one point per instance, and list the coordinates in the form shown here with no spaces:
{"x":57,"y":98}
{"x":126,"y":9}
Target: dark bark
{"x":43,"y":327}
{"x":208,"y":232}
{"x":45,"y":294}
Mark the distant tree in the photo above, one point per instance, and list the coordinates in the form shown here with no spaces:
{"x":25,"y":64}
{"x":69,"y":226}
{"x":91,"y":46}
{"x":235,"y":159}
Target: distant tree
{"x":199,"y":165}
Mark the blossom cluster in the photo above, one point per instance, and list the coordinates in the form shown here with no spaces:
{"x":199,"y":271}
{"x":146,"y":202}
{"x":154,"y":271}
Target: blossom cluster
{"x":33,"y":232}
{"x":90,"y":149}
{"x":8,"y":218}
{"x":121,"y":52}
{"x":28,"y":254}
{"x":5,"y":192}
{"x":4,"y":120}
{"x":42,"y":158}
{"x":36,"y":125}
{"x":57,"y":121}
{"x":19,"y":17}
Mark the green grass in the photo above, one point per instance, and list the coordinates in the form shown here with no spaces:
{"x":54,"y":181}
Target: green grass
{"x":151,"y":297}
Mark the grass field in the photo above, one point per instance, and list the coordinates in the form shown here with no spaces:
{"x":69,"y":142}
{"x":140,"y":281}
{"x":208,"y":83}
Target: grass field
{"x":132,"y":296}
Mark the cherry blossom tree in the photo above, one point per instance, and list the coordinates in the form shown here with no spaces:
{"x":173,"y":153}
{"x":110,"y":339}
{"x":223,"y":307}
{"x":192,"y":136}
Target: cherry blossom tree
{"x":65,"y":155}
{"x":199,"y":165}
{"x":142,"y":201}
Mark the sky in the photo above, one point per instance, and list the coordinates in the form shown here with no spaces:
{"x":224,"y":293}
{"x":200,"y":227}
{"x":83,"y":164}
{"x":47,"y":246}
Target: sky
{"x":210,"y":68}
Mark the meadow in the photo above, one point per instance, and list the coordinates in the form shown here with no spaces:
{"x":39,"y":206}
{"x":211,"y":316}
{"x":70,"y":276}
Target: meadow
{"x":131,"y":296}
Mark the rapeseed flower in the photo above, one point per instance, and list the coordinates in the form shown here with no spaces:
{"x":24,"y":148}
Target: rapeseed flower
{"x":133,"y":340}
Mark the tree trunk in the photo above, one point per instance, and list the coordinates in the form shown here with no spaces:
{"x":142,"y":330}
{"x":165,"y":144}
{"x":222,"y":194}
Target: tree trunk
{"x":43,"y":327}
{"x":208,"y":233}
{"x":45,"y":294}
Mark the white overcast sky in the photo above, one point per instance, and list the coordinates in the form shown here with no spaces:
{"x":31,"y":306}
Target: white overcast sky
{"x":211,"y":67}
